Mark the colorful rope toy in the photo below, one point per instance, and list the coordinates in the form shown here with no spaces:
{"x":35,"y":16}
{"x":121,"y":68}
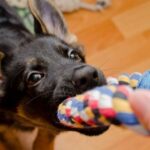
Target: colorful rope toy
{"x":106,"y":104}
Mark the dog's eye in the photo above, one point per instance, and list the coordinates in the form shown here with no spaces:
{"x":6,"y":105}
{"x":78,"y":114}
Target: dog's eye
{"x":34,"y":78}
{"x":73,"y":55}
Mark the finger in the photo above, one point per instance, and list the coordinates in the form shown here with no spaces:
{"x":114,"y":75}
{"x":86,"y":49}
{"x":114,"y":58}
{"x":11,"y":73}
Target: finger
{"x":140,"y":103}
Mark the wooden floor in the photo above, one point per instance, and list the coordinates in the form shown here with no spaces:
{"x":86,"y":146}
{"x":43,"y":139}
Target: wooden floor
{"x":116,"y":40}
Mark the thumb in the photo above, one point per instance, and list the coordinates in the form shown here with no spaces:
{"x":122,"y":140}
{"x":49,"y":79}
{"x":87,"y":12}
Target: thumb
{"x":140,"y":103}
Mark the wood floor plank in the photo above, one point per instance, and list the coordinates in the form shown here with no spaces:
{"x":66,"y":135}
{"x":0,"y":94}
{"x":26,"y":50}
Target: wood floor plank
{"x":119,"y":56}
{"x":134,"y":21}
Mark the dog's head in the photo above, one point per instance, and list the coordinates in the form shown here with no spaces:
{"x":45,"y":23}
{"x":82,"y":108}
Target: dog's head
{"x":41,"y":73}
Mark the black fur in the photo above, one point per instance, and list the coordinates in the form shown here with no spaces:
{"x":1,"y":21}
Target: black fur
{"x":36,"y":104}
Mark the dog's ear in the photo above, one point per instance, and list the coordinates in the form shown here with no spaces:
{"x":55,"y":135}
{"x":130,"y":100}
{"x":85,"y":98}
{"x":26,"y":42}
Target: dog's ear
{"x":49,"y":20}
{"x":2,"y":55}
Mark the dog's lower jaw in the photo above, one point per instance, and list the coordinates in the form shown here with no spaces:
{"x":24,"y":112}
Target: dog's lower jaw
{"x":89,"y":131}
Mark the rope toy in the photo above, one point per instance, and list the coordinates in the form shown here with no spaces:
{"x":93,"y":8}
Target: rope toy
{"x":106,"y":104}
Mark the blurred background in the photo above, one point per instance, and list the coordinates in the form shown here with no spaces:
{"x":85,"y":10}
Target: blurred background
{"x":116,"y":40}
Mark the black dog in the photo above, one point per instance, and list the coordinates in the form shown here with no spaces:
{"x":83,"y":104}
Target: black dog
{"x":39,"y":71}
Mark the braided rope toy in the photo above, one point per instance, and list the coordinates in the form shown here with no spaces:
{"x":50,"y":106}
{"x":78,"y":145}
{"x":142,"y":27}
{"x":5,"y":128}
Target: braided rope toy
{"x":106,"y":104}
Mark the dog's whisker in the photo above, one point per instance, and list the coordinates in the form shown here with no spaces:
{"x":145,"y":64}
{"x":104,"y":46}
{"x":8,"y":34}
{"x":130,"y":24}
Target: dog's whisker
{"x":105,"y":61}
{"x":111,"y":69}
{"x":112,"y":73}
{"x":36,"y":97}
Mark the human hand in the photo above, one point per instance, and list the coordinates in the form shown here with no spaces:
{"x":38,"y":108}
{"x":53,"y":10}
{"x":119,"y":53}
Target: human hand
{"x":140,"y":103}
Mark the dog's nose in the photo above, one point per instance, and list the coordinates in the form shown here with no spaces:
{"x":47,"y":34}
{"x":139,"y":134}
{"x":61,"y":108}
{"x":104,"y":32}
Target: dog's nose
{"x":87,"y":77}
